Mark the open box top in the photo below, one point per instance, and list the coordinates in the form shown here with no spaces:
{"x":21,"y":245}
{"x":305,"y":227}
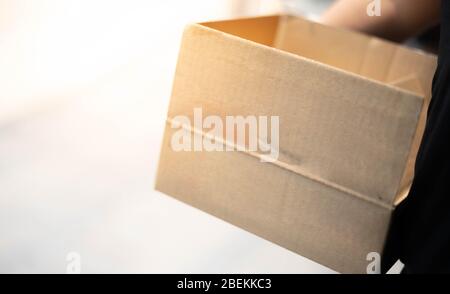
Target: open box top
{"x":370,"y":58}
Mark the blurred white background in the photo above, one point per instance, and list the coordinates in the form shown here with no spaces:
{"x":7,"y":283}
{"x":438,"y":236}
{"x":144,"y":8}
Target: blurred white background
{"x":84,"y":89}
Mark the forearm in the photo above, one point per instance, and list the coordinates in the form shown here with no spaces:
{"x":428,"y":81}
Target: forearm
{"x":399,"y":19}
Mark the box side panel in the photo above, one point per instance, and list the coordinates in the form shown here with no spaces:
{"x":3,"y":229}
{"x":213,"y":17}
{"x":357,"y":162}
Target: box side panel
{"x":304,"y":216}
{"x":419,"y":68}
{"x":338,"y":48}
{"x":341,"y":128}
{"x":407,"y":63}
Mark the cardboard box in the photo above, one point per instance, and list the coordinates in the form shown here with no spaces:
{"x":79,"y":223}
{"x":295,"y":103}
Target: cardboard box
{"x":351,"y":114}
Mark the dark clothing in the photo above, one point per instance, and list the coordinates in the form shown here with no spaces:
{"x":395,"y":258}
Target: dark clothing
{"x":420,"y":230}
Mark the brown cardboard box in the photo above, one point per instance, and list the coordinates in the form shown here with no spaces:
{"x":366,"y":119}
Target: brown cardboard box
{"x":351,"y":114}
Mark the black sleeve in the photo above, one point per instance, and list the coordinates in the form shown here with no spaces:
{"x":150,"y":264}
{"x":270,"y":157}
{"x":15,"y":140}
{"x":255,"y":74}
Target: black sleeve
{"x":420,"y":228}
